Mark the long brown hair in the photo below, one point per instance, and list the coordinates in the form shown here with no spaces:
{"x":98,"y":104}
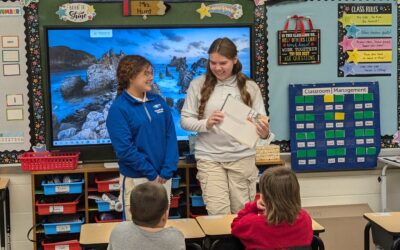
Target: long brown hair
{"x":225,"y":47}
{"x":129,"y":67}
{"x":281,"y":195}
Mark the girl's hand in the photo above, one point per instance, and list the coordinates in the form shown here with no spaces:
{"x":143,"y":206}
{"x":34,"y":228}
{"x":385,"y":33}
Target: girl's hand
{"x":215,"y":118}
{"x":260,"y":205}
{"x":262,"y":127}
{"x":160,"y":180}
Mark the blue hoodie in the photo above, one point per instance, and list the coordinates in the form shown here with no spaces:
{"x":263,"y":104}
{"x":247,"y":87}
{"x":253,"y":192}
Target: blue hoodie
{"x":143,"y":136}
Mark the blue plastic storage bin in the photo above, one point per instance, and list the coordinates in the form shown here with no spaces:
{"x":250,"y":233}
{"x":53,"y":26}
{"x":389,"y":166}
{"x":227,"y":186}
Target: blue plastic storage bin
{"x":175,"y":215}
{"x":197,"y":201}
{"x":62,"y":188}
{"x":175,"y":182}
{"x":103,"y":206}
{"x":63,"y":227}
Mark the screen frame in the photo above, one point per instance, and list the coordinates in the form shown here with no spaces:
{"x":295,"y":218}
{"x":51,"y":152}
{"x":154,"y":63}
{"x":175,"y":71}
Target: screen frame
{"x":94,"y":153}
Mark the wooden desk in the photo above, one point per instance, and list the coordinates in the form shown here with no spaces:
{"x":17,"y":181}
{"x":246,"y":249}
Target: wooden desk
{"x":221,"y":225}
{"x":99,"y":233}
{"x":96,"y":233}
{"x":389,"y":222}
{"x":216,"y":225}
{"x":5,"y":226}
{"x":189,"y":227}
{"x":317,"y":228}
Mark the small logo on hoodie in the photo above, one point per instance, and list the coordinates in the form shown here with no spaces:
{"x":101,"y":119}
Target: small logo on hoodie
{"x":158,"y":108}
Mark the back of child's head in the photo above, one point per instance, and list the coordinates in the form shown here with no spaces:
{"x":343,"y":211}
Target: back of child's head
{"x":149,"y":202}
{"x":281,"y":195}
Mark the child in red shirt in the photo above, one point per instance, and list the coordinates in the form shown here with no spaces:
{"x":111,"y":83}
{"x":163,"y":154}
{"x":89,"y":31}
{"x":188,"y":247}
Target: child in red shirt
{"x":276,"y":220}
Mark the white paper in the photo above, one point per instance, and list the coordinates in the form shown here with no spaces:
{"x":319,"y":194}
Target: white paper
{"x":235,"y":122}
{"x":62,"y":247}
{"x":113,"y":186}
{"x":63,"y":228}
{"x":10,"y":56}
{"x":15,"y":114}
{"x":62,"y":189}
{"x":9,"y":41}
{"x":56,"y":209}
{"x":15,"y":100}
{"x":11,"y":70}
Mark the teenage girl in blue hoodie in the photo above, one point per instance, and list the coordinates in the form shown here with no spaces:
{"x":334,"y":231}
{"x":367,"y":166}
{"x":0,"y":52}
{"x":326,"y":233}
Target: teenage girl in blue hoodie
{"x":141,"y":129}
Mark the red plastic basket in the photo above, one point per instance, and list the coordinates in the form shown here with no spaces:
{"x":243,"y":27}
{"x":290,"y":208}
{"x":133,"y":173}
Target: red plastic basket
{"x":174,"y":202}
{"x":43,"y":161}
{"x":107,"y":185}
{"x":57,"y":208}
{"x":71,"y":245}
{"x":105,"y":221}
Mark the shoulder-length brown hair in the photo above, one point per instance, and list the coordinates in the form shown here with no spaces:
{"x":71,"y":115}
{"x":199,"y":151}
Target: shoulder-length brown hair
{"x":128,"y":68}
{"x":281,"y":195}
{"x":225,"y":47}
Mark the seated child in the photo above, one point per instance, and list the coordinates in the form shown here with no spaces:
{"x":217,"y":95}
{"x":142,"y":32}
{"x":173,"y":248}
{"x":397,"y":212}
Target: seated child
{"x":149,"y":209}
{"x":276,"y":220}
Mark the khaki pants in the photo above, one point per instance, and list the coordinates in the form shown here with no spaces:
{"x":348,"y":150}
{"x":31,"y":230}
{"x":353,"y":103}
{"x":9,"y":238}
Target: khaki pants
{"x":227,"y":186}
{"x":130,"y":184}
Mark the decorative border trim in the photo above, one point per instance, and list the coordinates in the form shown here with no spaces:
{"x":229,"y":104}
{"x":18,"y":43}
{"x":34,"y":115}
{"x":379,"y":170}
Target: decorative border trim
{"x":36,"y":108}
{"x":260,"y":50}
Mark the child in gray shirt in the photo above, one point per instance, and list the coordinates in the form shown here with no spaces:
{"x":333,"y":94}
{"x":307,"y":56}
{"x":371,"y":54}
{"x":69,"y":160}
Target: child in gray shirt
{"x":149,"y":208}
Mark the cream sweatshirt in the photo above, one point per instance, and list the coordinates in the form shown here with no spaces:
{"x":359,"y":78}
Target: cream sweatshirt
{"x":214,"y":144}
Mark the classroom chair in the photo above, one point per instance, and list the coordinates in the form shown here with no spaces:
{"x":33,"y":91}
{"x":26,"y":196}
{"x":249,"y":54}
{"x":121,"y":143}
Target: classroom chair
{"x":193,"y":246}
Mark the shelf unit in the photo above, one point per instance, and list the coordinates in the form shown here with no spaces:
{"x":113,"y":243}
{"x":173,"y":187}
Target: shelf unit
{"x":188,"y":184}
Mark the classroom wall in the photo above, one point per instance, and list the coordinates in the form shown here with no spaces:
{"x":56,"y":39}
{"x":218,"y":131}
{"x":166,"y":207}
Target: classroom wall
{"x":324,"y":15}
{"x":317,"y":189}
{"x":20,"y":206}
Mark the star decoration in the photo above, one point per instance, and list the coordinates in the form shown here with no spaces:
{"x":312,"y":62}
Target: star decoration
{"x":203,"y":11}
{"x":345,"y":20}
{"x":347,"y":69}
{"x":352,"y":31}
{"x":60,"y":12}
{"x":90,"y":9}
{"x":353,"y":56}
{"x":27,"y":2}
{"x":347,"y":43}
{"x":259,"y":2}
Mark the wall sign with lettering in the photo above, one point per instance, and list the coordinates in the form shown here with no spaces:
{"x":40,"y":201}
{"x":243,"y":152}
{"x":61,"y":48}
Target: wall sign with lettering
{"x":365,"y":39}
{"x":233,"y":11}
{"x":145,"y":8}
{"x":11,"y":11}
{"x":76,"y":12}
{"x":299,"y":46}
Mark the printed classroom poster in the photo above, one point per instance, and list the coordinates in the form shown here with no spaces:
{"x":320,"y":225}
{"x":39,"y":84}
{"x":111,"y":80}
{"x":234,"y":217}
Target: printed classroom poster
{"x":365,"y":39}
{"x":334,"y":126}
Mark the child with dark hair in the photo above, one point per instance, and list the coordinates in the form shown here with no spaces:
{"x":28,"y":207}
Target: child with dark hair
{"x":276,"y":220}
{"x":149,"y":208}
{"x":141,"y":129}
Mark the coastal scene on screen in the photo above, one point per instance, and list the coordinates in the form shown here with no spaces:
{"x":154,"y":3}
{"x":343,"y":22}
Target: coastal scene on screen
{"x":82,"y":72}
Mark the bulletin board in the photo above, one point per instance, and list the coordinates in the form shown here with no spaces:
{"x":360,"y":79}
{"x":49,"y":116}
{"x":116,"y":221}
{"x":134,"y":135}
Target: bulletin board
{"x":325,"y":16}
{"x":334,"y":126}
{"x":109,"y":13}
{"x":15,"y":116}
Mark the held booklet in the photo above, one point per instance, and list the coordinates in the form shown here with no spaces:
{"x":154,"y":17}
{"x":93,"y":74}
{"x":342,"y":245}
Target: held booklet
{"x":236,"y":122}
